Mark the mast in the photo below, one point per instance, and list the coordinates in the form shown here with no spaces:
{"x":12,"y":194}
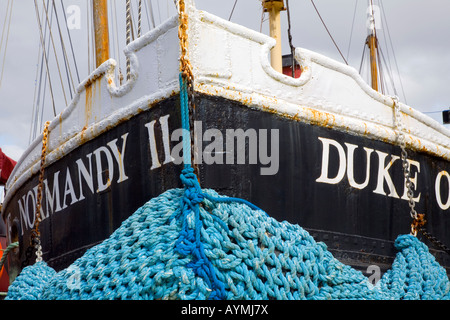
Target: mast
{"x":100,"y":9}
{"x":371,"y":42}
{"x":274,"y":7}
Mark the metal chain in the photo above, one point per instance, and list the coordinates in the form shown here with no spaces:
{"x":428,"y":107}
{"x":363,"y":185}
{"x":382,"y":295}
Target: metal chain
{"x":36,"y":234}
{"x":435,"y":241}
{"x":418,"y":219}
{"x":185,"y":65}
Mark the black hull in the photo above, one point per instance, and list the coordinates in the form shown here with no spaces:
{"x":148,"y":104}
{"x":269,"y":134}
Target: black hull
{"x":359,"y":224}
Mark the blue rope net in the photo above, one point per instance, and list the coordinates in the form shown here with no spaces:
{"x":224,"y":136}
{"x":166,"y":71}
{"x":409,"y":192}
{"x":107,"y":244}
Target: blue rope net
{"x":224,"y":250}
{"x":193,"y":243}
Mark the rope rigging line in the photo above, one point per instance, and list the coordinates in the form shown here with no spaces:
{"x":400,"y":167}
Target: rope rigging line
{"x":351,"y":29}
{"x":4,"y":23}
{"x":128,"y":31}
{"x":152,"y":17}
{"x":326,"y":28}
{"x":70,"y":41}
{"x":71,"y":84}
{"x":36,"y":118}
{"x":290,"y":39}
{"x":139,"y":18}
{"x":393,"y":51}
{"x":232,"y":10}
{"x":55,"y":53}
{"x":8,"y":16}
{"x":45,"y":57}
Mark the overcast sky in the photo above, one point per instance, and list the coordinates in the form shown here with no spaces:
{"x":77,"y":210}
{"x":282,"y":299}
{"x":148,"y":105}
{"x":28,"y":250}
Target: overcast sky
{"x":419,"y":31}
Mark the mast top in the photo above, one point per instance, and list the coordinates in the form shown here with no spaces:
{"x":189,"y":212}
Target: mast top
{"x":372,"y":43}
{"x":274,"y":7}
{"x":278,"y":5}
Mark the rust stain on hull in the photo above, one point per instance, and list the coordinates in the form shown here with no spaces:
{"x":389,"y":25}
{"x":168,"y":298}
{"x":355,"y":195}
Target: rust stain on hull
{"x":88,"y":104}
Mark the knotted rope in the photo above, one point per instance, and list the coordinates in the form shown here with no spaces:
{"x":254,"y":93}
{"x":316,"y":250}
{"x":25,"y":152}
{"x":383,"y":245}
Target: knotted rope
{"x":251,"y":254}
{"x":190,"y":242}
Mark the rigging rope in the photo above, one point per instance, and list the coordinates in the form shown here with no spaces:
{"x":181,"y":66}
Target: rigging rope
{"x":55,"y":54}
{"x":70,"y":82}
{"x":70,"y":41}
{"x":139,"y":18}
{"x":290,"y":39}
{"x":351,"y":29}
{"x":232,"y":10}
{"x":393,"y":51}
{"x":128,"y":40}
{"x":45,"y":57}
{"x":152,"y":17}
{"x":8,"y":16}
{"x":37,"y":91}
{"x":332,"y":39}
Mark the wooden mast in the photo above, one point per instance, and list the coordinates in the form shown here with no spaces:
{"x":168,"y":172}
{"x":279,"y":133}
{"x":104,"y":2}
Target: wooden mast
{"x":101,"y":31}
{"x":274,"y":7}
{"x":371,"y":42}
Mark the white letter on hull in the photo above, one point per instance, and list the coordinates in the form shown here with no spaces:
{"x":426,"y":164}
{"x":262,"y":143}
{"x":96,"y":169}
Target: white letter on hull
{"x":350,"y":166}
{"x":68,"y":190}
{"x":151,"y":139}
{"x":325,"y":161}
{"x":87,"y":175}
{"x":119,"y":156}
{"x":437,"y":189}
{"x":383,"y":175}
{"x":413,"y":179}
{"x":97,"y":153}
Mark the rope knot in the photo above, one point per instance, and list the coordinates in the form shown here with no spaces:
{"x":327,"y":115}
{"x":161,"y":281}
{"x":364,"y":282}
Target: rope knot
{"x":193,"y":192}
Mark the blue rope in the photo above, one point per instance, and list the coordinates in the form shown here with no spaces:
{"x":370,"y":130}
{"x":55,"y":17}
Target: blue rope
{"x":184,"y":101}
{"x":190,"y":242}
{"x":251,"y":254}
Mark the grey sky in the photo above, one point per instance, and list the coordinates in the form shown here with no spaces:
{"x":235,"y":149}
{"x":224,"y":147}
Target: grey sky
{"x":418,"y":30}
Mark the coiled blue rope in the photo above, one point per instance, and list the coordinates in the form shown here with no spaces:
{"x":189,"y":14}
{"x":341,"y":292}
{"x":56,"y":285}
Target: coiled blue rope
{"x":251,"y":254}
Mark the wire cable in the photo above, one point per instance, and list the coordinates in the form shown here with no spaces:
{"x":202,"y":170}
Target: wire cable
{"x":351,"y":30}
{"x":45,"y":55}
{"x":56,"y":56}
{"x":6,"y":41}
{"x":291,"y":46}
{"x":234,"y":6}
{"x":332,"y":39}
{"x":64,"y":51}
{"x":70,"y":42}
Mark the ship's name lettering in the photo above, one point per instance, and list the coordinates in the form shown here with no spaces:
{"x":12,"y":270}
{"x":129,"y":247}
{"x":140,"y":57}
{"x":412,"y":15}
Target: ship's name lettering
{"x":95,"y":172}
{"x":212,"y":146}
{"x":339,"y":164}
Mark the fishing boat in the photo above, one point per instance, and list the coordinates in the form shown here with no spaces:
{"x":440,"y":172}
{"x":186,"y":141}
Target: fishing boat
{"x":321,"y":149}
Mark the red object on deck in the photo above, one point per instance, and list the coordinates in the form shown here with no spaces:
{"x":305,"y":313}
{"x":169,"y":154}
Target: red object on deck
{"x":287,"y":70}
{"x":6,"y":167}
{"x":4,"y":277}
